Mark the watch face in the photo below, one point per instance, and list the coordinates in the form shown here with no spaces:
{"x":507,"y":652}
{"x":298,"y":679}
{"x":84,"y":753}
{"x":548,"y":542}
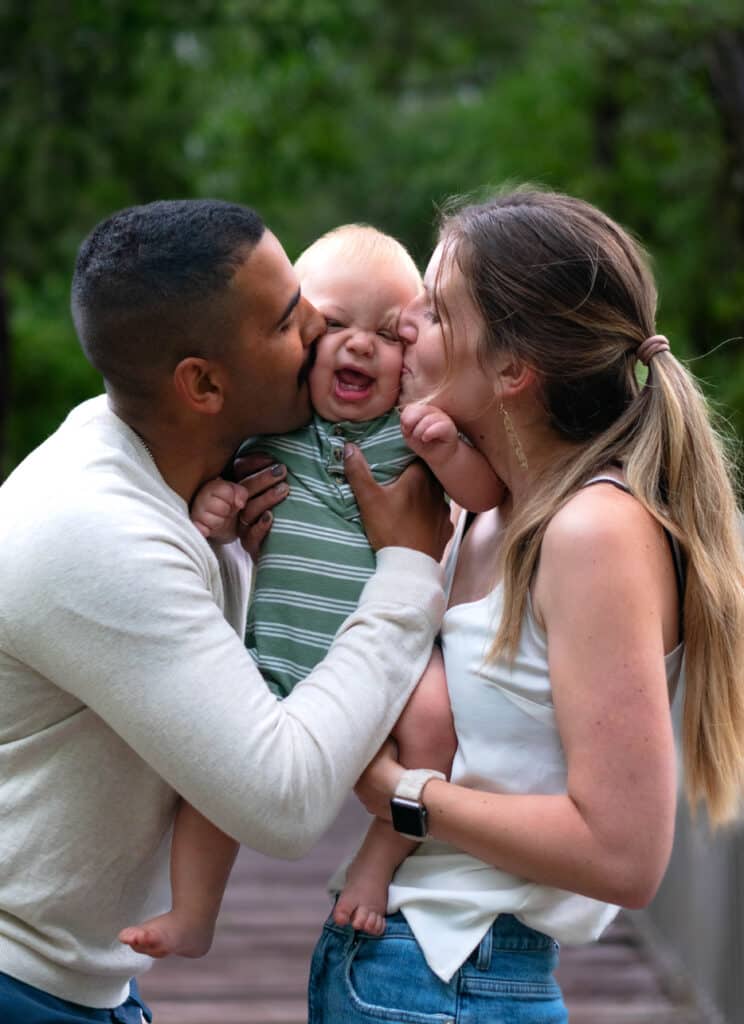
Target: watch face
{"x":409,"y":817}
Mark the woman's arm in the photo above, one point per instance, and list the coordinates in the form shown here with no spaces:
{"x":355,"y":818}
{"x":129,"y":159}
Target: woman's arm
{"x":606,"y":595}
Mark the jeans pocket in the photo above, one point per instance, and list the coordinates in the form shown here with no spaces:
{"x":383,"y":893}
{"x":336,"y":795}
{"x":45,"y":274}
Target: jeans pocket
{"x":387,"y":979}
{"x":504,"y":1006}
{"x":319,"y":981}
{"x":518,"y":987}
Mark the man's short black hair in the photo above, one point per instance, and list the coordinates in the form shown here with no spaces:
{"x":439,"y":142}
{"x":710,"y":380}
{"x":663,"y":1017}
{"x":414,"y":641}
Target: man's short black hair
{"x":150,"y":285}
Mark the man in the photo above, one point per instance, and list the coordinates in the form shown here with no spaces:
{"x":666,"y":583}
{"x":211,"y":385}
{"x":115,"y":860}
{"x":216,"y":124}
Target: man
{"x":123,"y":678}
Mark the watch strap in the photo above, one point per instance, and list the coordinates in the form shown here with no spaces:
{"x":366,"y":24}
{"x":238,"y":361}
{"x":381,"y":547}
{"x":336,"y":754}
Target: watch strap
{"x":412,"y":781}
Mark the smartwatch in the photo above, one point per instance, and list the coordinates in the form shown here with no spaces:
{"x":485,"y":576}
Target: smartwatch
{"x":408,"y":812}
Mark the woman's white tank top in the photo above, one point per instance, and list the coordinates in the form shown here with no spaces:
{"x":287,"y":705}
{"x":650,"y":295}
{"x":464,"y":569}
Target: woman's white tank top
{"x":508,"y":742}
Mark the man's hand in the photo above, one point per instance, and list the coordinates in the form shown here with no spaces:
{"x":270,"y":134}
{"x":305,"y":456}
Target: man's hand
{"x":410,"y":512}
{"x":377,"y":783}
{"x":263,"y":481}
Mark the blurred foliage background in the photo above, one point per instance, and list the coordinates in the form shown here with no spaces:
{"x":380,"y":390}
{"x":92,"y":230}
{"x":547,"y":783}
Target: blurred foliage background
{"x":321,"y":111}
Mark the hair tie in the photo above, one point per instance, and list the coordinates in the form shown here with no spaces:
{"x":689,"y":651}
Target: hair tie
{"x":651,"y":347}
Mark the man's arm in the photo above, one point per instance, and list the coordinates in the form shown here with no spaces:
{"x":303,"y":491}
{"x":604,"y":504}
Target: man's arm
{"x":126,"y":622}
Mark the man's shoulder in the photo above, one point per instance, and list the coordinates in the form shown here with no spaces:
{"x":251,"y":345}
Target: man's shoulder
{"x":98,"y":546}
{"x":86,"y":494}
{"x":89,"y":434}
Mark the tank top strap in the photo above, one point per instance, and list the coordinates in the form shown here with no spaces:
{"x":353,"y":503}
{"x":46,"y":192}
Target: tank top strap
{"x":450,"y":562}
{"x":608,"y":480}
{"x":467,"y":518}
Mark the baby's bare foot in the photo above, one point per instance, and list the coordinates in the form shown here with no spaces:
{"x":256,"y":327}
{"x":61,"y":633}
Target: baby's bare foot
{"x":362,"y":904}
{"x":168,"y":934}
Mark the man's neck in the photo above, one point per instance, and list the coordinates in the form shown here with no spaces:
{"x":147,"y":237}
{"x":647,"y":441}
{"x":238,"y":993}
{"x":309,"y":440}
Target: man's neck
{"x":185,"y":457}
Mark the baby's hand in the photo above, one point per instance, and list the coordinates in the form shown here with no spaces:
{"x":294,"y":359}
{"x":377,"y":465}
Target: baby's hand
{"x":215,"y":509}
{"x":429,"y":432}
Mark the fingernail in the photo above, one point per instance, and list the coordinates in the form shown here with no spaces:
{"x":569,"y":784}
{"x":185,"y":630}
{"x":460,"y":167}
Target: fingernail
{"x":276,"y":469}
{"x":349,"y":450}
{"x":280,"y":488}
{"x":266,"y":517}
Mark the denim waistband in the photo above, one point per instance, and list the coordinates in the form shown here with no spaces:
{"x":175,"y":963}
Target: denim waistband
{"x":22,"y":1003}
{"x":506,"y":933}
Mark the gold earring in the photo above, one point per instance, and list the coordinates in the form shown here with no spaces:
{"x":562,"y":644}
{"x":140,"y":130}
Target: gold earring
{"x":513,"y":439}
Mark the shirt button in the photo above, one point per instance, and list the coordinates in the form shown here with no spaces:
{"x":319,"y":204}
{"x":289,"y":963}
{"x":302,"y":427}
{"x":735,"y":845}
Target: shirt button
{"x":338,"y":455}
{"x":338,"y":431}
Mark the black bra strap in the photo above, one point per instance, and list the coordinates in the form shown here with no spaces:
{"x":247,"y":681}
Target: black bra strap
{"x":677,"y":557}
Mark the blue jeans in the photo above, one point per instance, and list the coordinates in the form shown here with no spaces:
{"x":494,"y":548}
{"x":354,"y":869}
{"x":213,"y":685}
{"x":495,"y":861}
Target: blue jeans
{"x":23,"y":1004}
{"x":357,"y":978}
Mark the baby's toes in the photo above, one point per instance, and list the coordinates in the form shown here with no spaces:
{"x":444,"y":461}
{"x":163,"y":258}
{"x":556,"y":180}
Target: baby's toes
{"x":366,"y":920}
{"x":342,"y":911}
{"x":151,"y":943}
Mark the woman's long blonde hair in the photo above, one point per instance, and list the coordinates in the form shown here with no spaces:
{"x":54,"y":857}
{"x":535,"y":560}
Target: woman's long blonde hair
{"x":562,"y":287}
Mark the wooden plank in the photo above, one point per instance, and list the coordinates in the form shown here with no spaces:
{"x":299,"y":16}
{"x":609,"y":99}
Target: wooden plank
{"x":256,"y":972}
{"x":601,"y":1012}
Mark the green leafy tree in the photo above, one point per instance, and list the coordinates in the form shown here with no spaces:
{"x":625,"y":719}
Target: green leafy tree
{"x":319,"y":113}
{"x":95,"y":101}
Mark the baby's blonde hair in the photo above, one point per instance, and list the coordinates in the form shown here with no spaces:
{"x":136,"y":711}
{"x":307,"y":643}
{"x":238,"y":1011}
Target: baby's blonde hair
{"x":362,"y":242}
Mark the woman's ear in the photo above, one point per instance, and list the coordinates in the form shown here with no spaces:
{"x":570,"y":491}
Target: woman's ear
{"x":198,"y":384}
{"x":514,"y":377}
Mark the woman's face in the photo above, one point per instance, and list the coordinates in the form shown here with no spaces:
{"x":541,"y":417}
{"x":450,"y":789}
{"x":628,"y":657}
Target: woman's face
{"x":469,"y":391}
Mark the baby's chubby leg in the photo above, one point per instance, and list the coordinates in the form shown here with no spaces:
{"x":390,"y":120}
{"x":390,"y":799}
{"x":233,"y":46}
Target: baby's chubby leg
{"x":425,"y":735}
{"x":201,"y":859}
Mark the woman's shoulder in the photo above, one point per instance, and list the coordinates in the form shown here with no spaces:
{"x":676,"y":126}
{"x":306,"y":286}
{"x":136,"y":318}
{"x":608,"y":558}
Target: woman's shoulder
{"x":606,"y":564}
{"x":600,"y":528}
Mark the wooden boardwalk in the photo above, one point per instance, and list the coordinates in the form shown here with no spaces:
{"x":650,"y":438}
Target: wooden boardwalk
{"x":256,"y":972}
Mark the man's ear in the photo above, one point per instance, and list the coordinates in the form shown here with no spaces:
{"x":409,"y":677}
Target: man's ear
{"x":198,"y":384}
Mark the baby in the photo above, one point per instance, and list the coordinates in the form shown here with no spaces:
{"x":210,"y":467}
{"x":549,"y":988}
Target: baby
{"x":316,"y":559}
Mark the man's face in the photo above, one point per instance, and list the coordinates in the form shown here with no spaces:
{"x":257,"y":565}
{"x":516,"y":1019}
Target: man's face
{"x":267,"y":390}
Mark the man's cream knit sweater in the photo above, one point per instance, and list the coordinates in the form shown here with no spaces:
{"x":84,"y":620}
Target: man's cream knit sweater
{"x":124,"y":682}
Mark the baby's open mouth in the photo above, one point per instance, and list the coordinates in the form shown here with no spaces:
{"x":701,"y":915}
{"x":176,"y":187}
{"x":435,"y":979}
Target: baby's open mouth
{"x":352,"y":385}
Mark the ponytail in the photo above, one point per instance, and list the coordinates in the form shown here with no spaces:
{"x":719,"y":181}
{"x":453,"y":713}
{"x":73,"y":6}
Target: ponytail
{"x":677,"y":466}
{"x":565,"y":289}
{"x":681,"y":472}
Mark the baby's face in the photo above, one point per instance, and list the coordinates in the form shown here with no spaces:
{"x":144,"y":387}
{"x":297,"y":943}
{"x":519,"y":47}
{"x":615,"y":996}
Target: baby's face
{"x":357,"y":369}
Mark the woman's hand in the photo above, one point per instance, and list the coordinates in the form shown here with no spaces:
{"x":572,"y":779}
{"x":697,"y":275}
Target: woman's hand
{"x":264,"y":484}
{"x":377,"y":783}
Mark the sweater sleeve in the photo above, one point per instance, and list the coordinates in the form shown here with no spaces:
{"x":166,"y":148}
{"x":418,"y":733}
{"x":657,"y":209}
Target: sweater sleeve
{"x":125,"y":620}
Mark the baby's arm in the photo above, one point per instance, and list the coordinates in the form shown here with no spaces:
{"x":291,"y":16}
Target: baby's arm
{"x":461,"y":469}
{"x":425,"y":735}
{"x":425,"y":732}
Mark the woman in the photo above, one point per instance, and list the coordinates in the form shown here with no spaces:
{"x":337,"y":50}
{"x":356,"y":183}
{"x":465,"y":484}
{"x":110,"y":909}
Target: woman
{"x":563,"y":639}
